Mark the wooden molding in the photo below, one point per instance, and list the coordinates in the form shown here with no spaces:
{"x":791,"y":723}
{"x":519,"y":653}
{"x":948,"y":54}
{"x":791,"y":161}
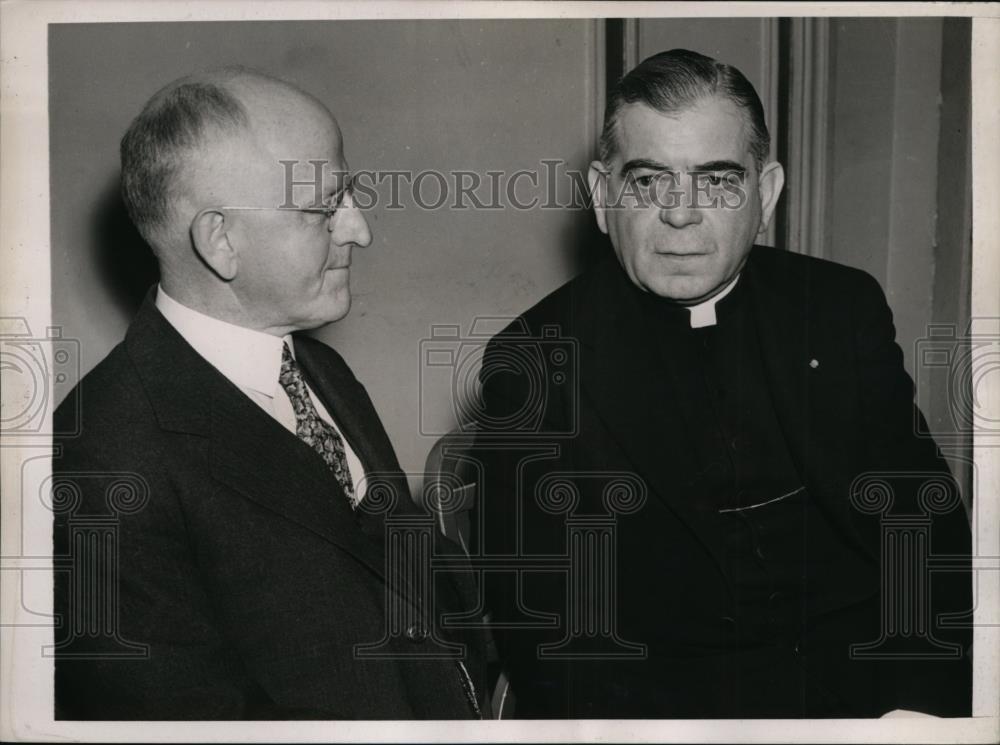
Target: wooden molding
{"x":597,"y":83}
{"x":630,"y":44}
{"x":769,"y":92}
{"x":808,"y":135}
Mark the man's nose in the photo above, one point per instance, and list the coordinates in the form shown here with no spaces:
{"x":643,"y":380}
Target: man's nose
{"x":681,"y":214}
{"x":350,"y":226}
{"x":678,"y":208}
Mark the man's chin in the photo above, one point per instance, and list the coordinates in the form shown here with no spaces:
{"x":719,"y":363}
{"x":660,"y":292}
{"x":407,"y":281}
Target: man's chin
{"x":331,"y":312}
{"x":339,"y":312}
{"x":684,"y":291}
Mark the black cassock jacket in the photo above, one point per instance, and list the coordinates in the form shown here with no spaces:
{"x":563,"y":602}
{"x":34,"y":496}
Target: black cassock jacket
{"x":577,"y":398}
{"x":243,"y":582}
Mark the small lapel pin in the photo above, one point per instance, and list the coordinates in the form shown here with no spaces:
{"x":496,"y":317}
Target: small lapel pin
{"x":813,"y":363}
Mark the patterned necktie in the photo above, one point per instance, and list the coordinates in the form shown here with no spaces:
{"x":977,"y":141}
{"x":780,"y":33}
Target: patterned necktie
{"x":310,"y":428}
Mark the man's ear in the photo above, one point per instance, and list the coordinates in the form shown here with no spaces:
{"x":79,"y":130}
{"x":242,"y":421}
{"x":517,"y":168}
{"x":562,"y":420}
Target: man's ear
{"x":771,"y":181}
{"x":209,"y":234}
{"x":597,"y":179}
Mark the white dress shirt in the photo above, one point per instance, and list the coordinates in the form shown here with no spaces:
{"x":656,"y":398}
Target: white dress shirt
{"x":250,"y":360}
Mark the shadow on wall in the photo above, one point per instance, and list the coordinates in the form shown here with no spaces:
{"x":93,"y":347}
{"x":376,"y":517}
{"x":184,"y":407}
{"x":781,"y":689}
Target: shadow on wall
{"x":127,"y":265}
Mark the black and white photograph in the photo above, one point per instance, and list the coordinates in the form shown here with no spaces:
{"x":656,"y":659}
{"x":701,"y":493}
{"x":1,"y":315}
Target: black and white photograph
{"x":500,"y":371}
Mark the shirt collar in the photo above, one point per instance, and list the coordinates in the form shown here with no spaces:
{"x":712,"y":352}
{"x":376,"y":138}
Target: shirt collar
{"x":246,"y":357}
{"x":703,"y":314}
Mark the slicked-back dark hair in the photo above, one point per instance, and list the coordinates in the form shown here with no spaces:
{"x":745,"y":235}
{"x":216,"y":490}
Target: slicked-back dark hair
{"x":171,"y":125}
{"x":676,"y":80}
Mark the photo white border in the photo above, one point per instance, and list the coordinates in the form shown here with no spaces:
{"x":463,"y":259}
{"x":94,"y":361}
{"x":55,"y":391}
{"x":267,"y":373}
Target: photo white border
{"x":25,"y":677}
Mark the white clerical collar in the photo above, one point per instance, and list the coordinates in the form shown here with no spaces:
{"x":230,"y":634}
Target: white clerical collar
{"x":248,"y":358}
{"x":703,"y":314}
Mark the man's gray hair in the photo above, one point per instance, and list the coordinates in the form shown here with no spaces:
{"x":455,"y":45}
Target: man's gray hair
{"x":172,"y":125}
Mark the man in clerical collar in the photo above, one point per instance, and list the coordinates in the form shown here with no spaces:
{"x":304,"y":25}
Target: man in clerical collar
{"x":741,"y":394}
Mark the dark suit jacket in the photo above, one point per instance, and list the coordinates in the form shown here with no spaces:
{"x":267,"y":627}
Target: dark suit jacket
{"x":240,"y":580}
{"x":612,"y":410}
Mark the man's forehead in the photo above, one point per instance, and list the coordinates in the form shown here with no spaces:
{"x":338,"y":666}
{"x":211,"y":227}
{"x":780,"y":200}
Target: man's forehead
{"x":306,"y":133}
{"x":712,"y":129}
{"x":257,"y":167}
{"x":302,"y":147}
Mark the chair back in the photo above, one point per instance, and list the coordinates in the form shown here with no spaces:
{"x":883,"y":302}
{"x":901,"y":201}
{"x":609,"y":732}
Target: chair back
{"x":451,"y":478}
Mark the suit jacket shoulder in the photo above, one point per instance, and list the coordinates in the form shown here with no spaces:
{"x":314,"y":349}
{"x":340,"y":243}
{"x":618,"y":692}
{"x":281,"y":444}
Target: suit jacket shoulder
{"x":802,"y":280}
{"x":563,"y":306}
{"x":786,"y":267}
{"x":108,"y":413}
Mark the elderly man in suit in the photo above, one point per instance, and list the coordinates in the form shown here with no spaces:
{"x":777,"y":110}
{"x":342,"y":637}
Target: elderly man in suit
{"x":751,"y":391}
{"x":249,"y":577}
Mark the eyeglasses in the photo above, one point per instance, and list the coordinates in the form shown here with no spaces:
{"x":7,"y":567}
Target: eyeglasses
{"x":326,"y":210}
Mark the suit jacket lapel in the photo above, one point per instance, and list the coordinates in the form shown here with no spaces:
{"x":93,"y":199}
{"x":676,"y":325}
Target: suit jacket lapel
{"x":269,"y":465}
{"x":247,"y":449}
{"x":787,"y":326}
{"x":348,"y":402}
{"x":779,"y":299}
